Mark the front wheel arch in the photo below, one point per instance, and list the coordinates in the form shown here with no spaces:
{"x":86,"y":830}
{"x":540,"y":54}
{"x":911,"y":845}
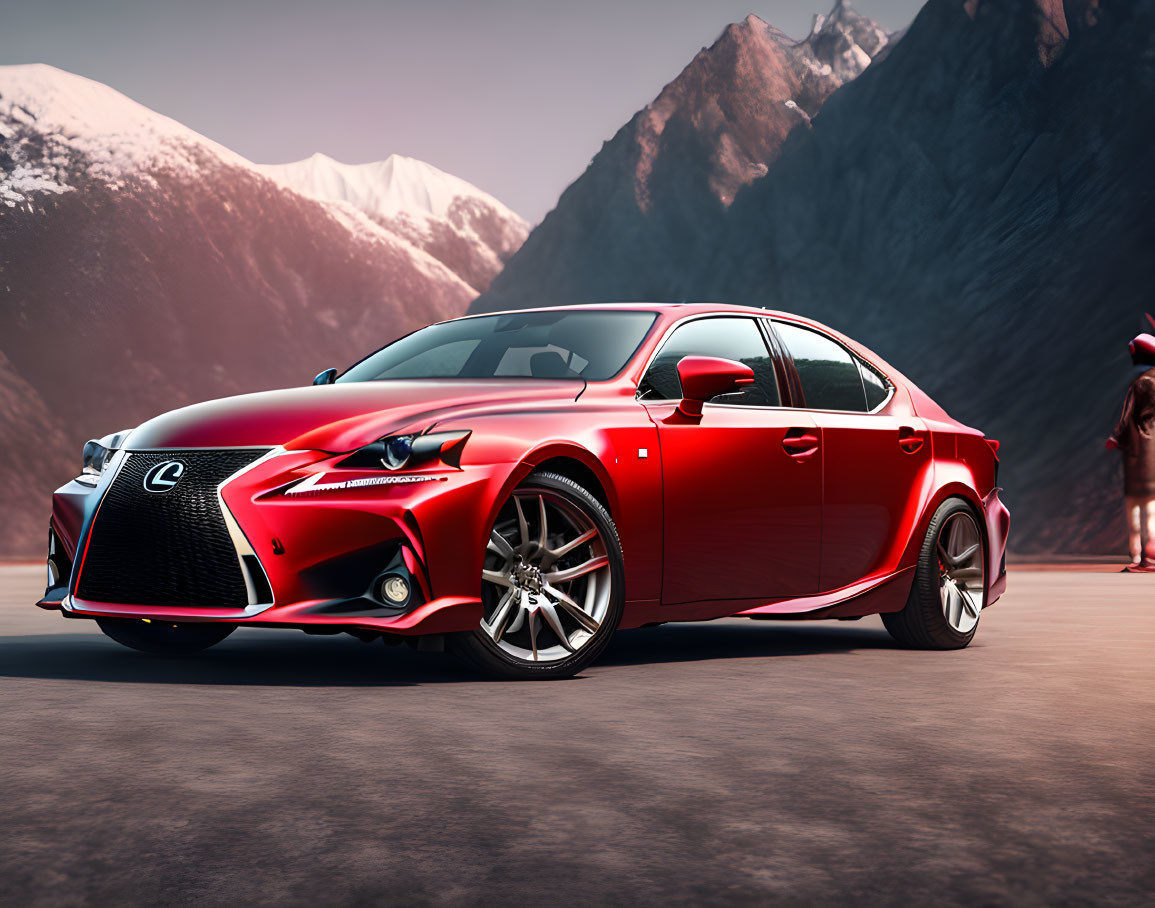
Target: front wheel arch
{"x":580,"y":473}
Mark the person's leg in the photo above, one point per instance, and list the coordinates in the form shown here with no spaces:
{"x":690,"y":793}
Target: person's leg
{"x":1135,"y":522}
{"x":1148,"y":510}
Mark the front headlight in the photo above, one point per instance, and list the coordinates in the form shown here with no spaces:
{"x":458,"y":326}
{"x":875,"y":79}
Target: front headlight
{"x":97,"y":453}
{"x":396,"y":452}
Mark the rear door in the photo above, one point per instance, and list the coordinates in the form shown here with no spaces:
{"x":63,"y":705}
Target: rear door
{"x":742,"y":488}
{"x":873,"y":462}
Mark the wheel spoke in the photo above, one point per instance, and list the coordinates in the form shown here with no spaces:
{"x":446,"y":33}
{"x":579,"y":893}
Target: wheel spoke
{"x":496,"y":627}
{"x":531,"y":620}
{"x":949,"y":602}
{"x":518,"y":617}
{"x":956,"y":606}
{"x":564,"y":550}
{"x":968,"y":603}
{"x":575,"y":611}
{"x":541,"y":517}
{"x":965,"y":556}
{"x":500,"y":546}
{"x":522,"y":527}
{"x":598,"y":561}
{"x":551,"y":618}
{"x":500,"y":578}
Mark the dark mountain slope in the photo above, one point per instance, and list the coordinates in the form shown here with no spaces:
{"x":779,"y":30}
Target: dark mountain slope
{"x":978,"y":208}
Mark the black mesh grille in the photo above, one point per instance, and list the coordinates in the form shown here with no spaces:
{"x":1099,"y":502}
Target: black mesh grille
{"x":171,"y":548}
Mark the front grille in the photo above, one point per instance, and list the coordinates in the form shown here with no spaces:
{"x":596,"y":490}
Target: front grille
{"x":171,"y":548}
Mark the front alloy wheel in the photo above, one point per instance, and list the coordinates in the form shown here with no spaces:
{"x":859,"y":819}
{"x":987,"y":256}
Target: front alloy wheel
{"x":551,"y":583}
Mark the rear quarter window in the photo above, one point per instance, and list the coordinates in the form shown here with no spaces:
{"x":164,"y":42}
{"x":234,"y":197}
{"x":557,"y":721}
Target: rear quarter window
{"x":829,"y":373}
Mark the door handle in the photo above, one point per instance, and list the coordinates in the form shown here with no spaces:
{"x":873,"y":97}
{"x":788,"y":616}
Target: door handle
{"x":800,"y":443}
{"x":909,"y":440}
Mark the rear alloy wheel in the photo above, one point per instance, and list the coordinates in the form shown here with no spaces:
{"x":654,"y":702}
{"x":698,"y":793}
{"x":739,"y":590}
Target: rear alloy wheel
{"x":552,"y":583}
{"x":949,"y":584}
{"x":163,"y":638}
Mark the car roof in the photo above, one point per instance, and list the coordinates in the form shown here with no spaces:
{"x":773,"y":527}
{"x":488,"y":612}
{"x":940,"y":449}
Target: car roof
{"x":680,"y":308}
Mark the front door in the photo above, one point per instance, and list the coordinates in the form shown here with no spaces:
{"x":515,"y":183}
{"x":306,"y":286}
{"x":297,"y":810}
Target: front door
{"x":742,"y":488}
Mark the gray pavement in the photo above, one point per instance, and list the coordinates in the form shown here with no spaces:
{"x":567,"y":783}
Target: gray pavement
{"x":729,"y":762}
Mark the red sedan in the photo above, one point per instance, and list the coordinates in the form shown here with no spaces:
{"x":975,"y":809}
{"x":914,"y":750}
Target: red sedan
{"x":517,"y":486}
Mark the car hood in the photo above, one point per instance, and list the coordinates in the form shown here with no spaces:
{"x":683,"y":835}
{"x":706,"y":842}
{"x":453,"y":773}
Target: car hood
{"x":337,"y":417}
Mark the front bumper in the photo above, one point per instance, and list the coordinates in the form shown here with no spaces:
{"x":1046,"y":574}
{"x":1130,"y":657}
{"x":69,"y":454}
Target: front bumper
{"x":323,"y":537}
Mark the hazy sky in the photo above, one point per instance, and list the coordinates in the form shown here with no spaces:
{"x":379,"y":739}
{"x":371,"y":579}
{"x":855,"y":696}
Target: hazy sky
{"x":511,"y":95}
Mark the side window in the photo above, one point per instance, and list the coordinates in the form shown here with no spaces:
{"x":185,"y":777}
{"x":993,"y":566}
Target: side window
{"x":830,"y":376}
{"x":877,"y":387}
{"x":729,"y":338}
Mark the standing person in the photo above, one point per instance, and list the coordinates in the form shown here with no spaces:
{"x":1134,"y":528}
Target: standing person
{"x":1134,"y":435}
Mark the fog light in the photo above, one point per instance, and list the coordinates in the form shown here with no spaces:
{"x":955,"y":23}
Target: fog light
{"x":395,"y":590}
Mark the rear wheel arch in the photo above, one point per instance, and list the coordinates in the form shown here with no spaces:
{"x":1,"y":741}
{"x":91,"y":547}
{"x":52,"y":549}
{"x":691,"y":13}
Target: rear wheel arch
{"x":952,"y":490}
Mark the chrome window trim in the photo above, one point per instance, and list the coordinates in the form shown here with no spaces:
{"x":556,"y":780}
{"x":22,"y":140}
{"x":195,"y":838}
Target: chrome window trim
{"x":698,"y":317}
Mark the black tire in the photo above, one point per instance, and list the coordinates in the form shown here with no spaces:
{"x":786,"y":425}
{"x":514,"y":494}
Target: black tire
{"x":478,"y":650}
{"x":163,"y":638}
{"x":922,"y":624}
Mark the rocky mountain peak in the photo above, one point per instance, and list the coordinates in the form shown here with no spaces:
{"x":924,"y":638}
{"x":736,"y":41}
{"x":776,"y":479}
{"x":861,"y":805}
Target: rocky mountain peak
{"x":845,"y":40}
{"x":741,"y":96}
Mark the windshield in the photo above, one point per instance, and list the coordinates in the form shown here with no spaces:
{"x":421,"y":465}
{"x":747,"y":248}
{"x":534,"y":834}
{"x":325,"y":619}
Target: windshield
{"x":594,"y":345}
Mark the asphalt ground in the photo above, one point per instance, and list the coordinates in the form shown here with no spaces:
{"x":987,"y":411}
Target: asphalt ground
{"x":728,"y":762}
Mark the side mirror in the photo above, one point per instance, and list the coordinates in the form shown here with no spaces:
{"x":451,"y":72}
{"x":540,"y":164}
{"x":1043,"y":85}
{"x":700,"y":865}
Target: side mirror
{"x":705,"y":377}
{"x":326,"y":377}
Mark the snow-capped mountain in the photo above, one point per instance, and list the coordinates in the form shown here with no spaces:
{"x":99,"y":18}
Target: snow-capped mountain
{"x":57,"y":127}
{"x":467,"y":229}
{"x":667,"y":177}
{"x":143,"y":267}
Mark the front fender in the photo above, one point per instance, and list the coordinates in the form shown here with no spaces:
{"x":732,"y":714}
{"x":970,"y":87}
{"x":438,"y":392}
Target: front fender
{"x":613,"y":441}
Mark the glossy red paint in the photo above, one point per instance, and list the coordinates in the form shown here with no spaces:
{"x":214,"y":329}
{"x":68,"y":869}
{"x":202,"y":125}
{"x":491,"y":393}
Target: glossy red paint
{"x":706,"y":377}
{"x":743,"y":509}
{"x":756,"y":511}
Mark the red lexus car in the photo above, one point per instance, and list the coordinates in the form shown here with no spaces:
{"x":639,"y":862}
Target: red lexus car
{"x":517,"y":486}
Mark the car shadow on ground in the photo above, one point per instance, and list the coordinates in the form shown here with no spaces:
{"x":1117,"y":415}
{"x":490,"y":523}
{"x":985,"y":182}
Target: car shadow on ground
{"x":254,"y":657}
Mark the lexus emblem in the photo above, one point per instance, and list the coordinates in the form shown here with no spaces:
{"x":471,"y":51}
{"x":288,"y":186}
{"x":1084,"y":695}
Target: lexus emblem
{"x":163,"y":476}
